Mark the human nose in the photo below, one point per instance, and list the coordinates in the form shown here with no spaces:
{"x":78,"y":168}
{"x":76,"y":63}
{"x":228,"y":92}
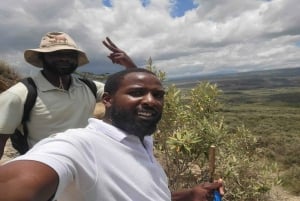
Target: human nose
{"x":148,"y":99}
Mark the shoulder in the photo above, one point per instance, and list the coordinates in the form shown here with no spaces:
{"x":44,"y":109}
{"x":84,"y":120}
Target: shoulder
{"x":71,"y":145}
{"x":96,"y":86}
{"x":99,"y":84}
{"x":82,"y":80}
{"x":17,"y":91}
{"x":76,"y":137}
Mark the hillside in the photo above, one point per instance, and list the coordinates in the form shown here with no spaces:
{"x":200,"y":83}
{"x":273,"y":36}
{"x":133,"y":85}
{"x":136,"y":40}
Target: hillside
{"x":268,"y":104}
{"x":248,"y":80}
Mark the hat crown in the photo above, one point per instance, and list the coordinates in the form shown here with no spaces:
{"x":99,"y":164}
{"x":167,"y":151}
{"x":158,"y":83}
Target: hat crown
{"x":57,"y":39}
{"x":54,"y":41}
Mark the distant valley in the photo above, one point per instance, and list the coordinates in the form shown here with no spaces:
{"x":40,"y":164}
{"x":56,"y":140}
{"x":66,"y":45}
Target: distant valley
{"x":248,"y":80}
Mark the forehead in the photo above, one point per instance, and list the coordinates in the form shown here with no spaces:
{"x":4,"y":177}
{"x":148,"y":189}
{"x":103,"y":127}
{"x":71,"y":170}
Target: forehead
{"x":141,"y":79}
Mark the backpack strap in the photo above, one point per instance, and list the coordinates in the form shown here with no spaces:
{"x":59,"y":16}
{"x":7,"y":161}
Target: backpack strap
{"x":91,"y":85}
{"x":32,"y":95}
{"x":29,"y":102}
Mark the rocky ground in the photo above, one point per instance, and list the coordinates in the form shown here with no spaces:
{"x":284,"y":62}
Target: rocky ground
{"x":9,"y":152}
{"x":277,"y":193}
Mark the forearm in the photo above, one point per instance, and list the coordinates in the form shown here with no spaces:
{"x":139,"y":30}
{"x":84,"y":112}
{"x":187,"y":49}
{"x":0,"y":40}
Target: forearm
{"x":130,"y":65}
{"x":27,"y":181}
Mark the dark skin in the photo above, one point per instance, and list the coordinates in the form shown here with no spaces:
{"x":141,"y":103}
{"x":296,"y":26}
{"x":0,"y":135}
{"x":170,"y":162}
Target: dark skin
{"x":201,"y":192}
{"x":64,"y":57}
{"x":142,"y":96}
{"x":139,"y":103}
{"x":137,"y":91}
{"x":58,"y":67}
{"x":117,"y":56}
{"x":40,"y":180}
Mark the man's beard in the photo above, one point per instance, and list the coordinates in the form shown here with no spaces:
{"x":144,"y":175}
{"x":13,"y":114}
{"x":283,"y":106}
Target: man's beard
{"x":59,"y":68}
{"x":132,"y":124}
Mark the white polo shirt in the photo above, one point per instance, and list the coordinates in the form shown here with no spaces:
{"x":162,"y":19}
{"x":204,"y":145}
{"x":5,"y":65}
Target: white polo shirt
{"x":55,"y":110}
{"x":101,"y":163}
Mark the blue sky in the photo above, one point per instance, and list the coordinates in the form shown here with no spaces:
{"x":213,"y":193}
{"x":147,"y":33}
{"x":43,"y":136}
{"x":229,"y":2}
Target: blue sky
{"x":179,"y":8}
{"x":183,"y":37}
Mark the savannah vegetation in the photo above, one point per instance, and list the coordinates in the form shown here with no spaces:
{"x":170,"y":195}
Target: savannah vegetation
{"x":267,"y":103}
{"x":8,"y":76}
{"x":273,"y":116}
{"x":191,"y":123}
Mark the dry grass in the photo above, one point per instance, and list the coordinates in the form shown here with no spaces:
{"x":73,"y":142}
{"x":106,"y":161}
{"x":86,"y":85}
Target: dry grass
{"x":8,"y":76}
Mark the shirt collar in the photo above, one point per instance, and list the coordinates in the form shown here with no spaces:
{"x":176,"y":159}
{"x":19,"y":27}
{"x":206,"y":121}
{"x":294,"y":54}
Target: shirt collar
{"x":117,"y":134}
{"x":44,"y":85}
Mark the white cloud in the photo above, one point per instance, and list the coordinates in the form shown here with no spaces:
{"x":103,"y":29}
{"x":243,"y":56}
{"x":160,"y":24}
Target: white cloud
{"x":218,"y":35}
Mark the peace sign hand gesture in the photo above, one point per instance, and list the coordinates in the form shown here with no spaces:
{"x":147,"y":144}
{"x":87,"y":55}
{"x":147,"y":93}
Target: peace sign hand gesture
{"x":118,"y":56}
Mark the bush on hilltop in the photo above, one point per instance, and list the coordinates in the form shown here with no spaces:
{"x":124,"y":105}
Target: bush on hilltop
{"x":189,"y":126}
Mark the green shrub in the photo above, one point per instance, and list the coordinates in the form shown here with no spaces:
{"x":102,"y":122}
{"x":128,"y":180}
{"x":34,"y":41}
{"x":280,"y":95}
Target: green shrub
{"x":189,"y":126}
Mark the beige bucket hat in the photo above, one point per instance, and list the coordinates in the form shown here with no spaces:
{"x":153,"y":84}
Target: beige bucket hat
{"x":54,"y":41}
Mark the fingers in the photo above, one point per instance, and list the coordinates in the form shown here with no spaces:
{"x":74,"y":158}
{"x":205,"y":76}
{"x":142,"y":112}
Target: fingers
{"x":120,"y":55}
{"x":110,"y":42}
{"x":111,"y":48}
{"x":201,"y":193}
{"x":112,"y":59}
{"x":118,"y":58}
{"x":221,"y":188}
{"x":218,"y":185}
{"x":110,"y":45}
{"x":211,"y":186}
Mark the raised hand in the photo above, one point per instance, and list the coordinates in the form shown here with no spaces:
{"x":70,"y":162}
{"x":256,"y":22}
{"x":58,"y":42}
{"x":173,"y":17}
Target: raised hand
{"x":118,"y":56}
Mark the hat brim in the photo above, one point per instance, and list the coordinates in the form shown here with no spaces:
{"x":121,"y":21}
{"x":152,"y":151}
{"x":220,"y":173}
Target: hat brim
{"x":32,"y":56}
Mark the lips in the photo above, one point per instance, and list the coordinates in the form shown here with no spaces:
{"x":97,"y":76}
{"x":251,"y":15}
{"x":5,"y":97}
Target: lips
{"x":147,"y":114}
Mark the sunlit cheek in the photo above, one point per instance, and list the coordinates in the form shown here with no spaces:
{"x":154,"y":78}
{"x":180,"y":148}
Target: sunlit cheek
{"x":133,"y":98}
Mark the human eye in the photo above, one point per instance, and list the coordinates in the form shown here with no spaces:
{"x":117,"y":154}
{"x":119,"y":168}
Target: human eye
{"x":136,"y":93}
{"x":158,"y":94}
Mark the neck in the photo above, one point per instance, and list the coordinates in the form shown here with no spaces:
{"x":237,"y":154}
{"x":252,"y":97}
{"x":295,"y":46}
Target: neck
{"x":59,"y":81}
{"x":108,"y":120}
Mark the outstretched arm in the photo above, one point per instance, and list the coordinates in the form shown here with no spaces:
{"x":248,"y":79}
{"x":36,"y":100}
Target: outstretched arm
{"x":118,"y":56}
{"x":27,"y":180}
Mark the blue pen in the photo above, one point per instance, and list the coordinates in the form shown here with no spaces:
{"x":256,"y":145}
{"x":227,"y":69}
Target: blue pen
{"x":217,"y":196}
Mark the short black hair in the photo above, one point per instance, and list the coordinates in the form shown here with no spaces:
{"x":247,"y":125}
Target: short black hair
{"x":113,"y":81}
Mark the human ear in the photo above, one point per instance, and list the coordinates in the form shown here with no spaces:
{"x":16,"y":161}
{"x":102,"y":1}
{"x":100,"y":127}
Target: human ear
{"x":106,"y":99}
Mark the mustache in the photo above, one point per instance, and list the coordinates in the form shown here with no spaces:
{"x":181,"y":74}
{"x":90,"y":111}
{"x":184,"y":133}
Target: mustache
{"x":148,"y":112}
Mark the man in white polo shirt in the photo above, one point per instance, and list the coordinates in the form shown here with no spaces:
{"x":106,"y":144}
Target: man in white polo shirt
{"x":110,"y":159}
{"x":63,"y":101}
